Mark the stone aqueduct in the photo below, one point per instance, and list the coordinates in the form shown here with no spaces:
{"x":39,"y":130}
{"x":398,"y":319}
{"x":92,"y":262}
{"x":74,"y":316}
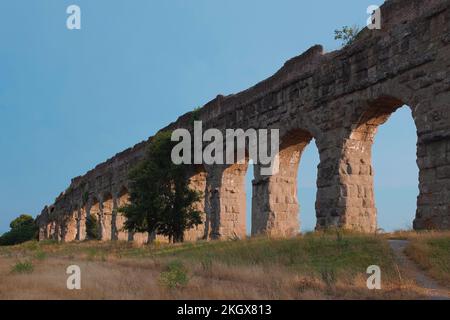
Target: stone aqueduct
{"x":339,"y":99}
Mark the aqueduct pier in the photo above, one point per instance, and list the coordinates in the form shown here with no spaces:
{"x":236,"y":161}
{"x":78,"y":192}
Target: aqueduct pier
{"x":339,"y":99}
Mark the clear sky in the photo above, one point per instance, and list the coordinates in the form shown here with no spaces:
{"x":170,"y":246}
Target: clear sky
{"x":72,"y":99}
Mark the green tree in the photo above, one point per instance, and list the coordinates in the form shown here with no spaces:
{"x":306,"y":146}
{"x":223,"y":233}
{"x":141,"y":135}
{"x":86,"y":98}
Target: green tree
{"x":23,"y":229}
{"x":92,"y":228}
{"x":347,"y":34}
{"x":161,"y":201}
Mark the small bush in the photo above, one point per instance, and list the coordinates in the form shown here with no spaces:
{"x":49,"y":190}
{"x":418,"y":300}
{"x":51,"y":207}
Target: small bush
{"x":195,"y":115}
{"x":92,"y":228}
{"x":23,"y":267}
{"x":85,"y":197}
{"x":175,"y":275}
{"x":40,"y":255}
{"x":92,"y":253}
{"x":347,"y":34}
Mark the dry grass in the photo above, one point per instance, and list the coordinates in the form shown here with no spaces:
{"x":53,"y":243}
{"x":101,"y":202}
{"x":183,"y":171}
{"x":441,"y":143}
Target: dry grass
{"x":417,"y":235}
{"x":318,"y":266}
{"x":431,"y":251}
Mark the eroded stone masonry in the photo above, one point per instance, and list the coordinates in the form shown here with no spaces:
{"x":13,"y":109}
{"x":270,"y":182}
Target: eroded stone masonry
{"x":339,"y":99}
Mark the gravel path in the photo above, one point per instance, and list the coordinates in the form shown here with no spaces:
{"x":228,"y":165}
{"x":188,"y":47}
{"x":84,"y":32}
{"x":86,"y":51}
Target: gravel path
{"x":433,"y":289}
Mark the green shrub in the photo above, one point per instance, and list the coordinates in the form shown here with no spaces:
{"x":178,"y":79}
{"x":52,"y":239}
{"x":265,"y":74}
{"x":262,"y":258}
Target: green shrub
{"x":92,"y":253}
{"x":347,"y":34}
{"x":195,"y":115}
{"x":85,"y":197}
{"x":40,"y":255}
{"x":23,"y":229}
{"x":23,"y":267}
{"x":175,"y":275}
{"x":92,"y":228}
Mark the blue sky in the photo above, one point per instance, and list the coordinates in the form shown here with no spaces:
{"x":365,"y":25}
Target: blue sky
{"x":72,"y":99}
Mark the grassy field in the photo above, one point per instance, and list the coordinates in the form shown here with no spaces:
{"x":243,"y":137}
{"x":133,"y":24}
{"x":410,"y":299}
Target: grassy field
{"x":314,"y":266}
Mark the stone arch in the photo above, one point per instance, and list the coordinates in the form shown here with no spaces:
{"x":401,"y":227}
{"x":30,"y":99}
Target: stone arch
{"x":275,"y":205}
{"x":225,"y":192}
{"x":357,"y":163}
{"x":351,"y":201}
{"x":71,"y":225}
{"x":122,"y":200}
{"x":51,"y":230}
{"x":123,"y":197}
{"x":94,"y":209}
{"x":107,"y":208}
{"x":225,"y":203}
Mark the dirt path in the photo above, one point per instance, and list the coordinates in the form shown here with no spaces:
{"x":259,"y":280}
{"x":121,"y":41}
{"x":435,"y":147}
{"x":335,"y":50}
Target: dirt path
{"x":410,"y":269}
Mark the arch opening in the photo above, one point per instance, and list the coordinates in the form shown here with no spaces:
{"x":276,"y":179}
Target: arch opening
{"x":71,"y":226}
{"x":122,"y":200}
{"x":369,"y":162}
{"x":396,"y":173}
{"x":307,"y":187}
{"x":231,"y":222}
{"x":94,"y":212}
{"x":106,"y":217}
{"x":275,"y":198}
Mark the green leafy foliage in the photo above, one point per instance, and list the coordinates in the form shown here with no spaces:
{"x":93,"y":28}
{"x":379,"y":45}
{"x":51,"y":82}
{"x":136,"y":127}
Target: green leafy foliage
{"x":175,"y":275}
{"x":85,"y":197}
{"x":40,"y":255}
{"x":195,"y":115}
{"x":23,"y":267}
{"x":92,"y":228}
{"x":347,"y":34}
{"x":161,"y":201}
{"x":23,"y":229}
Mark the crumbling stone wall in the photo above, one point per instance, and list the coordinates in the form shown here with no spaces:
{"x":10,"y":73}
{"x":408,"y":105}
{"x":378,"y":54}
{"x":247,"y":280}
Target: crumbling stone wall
{"x":339,"y":99}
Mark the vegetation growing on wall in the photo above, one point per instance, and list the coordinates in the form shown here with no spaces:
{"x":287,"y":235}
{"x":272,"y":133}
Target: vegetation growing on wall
{"x":347,"y":34}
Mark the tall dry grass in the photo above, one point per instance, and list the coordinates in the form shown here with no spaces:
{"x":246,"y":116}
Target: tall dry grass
{"x":431,"y":251}
{"x":316,"y":266}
